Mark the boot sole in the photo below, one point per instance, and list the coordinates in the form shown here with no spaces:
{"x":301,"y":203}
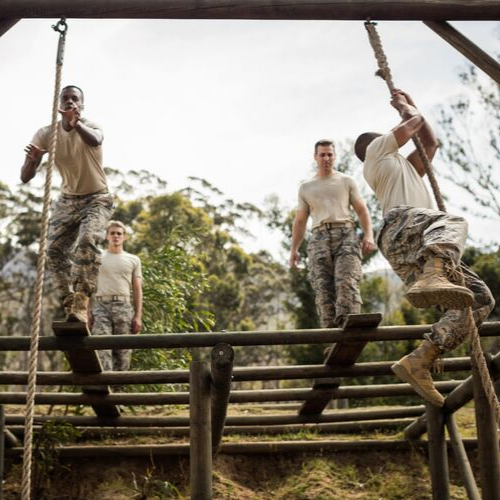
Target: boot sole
{"x":73,"y":318}
{"x":449,"y":299}
{"x":406,"y":376}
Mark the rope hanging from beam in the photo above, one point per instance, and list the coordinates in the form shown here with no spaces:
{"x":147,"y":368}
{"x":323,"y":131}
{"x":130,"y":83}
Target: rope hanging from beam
{"x":61,"y":27}
{"x":477,"y":355}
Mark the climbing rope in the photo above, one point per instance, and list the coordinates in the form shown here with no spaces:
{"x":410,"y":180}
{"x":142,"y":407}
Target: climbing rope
{"x":61,"y":27}
{"x":477,"y":356}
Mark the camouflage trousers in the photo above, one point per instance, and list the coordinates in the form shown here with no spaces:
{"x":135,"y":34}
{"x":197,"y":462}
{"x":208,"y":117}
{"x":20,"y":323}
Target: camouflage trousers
{"x":77,"y":225}
{"x":334,"y":261}
{"x":408,"y":238}
{"x":113,"y":318}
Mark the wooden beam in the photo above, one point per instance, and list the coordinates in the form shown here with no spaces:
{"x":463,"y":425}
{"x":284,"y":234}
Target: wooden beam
{"x":467,"y":48}
{"x":275,"y":337}
{"x":6,"y":24}
{"x":2,"y":448}
{"x":255,"y":9}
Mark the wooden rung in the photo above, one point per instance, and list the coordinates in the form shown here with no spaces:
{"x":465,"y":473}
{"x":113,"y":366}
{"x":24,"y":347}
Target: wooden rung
{"x":85,"y":361}
{"x":346,"y":352}
{"x":323,"y":391}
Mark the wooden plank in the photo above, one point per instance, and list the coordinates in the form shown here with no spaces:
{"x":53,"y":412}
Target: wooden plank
{"x":343,"y":353}
{"x":467,"y":48}
{"x":85,"y":361}
{"x":6,"y":24}
{"x":346,"y":352}
{"x":255,"y":9}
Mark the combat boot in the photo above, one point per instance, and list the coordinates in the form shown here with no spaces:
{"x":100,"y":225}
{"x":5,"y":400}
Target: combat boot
{"x":415,"y":369}
{"x":79,"y":308}
{"x":67,"y":303}
{"x":434,"y":289}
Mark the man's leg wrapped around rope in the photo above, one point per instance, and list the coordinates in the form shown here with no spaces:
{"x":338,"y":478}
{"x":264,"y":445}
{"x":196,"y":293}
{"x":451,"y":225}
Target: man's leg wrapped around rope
{"x":95,"y":212}
{"x":334,"y":261}
{"x":412,"y":239}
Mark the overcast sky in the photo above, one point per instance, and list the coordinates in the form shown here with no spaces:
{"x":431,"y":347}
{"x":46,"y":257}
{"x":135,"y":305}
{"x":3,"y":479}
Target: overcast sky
{"x":239,"y":103}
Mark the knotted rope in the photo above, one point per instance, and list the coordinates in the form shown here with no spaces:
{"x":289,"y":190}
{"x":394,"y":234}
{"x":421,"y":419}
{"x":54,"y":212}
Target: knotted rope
{"x":477,"y":356}
{"x":61,"y":27}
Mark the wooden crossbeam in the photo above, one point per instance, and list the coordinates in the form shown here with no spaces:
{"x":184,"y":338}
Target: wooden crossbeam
{"x":85,"y":361}
{"x":343,"y":353}
{"x":256,"y":9}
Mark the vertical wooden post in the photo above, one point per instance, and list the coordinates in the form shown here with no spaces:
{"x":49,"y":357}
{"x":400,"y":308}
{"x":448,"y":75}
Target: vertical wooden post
{"x":487,"y":441}
{"x":462,"y":459}
{"x":200,"y":449}
{"x":222,"y":370}
{"x":2,"y":448}
{"x":438,"y":457}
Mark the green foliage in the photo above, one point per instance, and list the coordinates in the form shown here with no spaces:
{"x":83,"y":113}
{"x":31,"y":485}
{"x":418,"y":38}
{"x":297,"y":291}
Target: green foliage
{"x":147,"y":487}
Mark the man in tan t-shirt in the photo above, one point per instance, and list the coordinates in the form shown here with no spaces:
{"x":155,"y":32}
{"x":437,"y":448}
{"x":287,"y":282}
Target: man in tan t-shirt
{"x":334,"y":251}
{"x":117,"y":303}
{"x":80,"y":215}
{"x":422,"y":245}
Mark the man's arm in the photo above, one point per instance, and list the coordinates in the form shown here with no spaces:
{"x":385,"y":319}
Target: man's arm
{"x":365,"y":221}
{"x":413,"y":122}
{"x":34,"y":156}
{"x":137,"y":290}
{"x":298,"y":233}
{"x":90,"y":136}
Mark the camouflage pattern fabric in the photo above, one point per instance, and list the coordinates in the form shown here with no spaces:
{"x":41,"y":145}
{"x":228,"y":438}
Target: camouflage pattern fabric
{"x":77,"y":225}
{"x":334,"y":261}
{"x":408,"y":237}
{"x":113,"y":318}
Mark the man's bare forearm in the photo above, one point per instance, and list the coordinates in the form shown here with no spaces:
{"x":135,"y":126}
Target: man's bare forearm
{"x":91,"y":136}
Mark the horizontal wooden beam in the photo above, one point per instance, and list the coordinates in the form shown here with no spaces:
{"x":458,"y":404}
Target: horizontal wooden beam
{"x":272,"y":447}
{"x":255,"y":9}
{"x":242,"y":374}
{"x":185,"y":340}
{"x":467,"y":48}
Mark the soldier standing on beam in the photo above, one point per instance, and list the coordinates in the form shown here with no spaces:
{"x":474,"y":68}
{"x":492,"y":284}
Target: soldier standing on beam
{"x":79,"y":216}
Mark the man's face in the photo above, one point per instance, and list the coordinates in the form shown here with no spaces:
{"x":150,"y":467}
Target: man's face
{"x":71,"y":98}
{"x":115,"y":236}
{"x":325,"y":157}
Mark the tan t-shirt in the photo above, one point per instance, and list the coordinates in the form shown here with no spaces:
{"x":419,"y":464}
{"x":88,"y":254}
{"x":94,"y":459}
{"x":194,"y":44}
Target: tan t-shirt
{"x":79,"y":164}
{"x":116,"y":273}
{"x":392,"y":177}
{"x":328,"y":199}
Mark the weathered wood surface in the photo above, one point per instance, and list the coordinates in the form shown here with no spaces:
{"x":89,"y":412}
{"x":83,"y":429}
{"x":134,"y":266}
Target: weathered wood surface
{"x":345,"y":352}
{"x":272,"y":447}
{"x":85,"y":361}
{"x":255,"y":9}
{"x":467,"y":48}
{"x":438,"y":456}
{"x":276,"y":337}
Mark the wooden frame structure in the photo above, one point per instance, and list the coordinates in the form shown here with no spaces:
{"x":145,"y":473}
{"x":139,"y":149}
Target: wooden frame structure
{"x":210,"y":393}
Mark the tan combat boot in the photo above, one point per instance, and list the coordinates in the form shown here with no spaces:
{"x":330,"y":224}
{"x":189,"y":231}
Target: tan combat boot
{"x":415,"y":369}
{"x":434,"y":289}
{"x":79,"y":308}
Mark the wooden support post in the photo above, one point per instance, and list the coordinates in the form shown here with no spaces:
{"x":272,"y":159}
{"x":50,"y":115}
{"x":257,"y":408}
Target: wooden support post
{"x":2,"y":448}
{"x":438,"y":457}
{"x":487,"y":440}
{"x":200,"y":449}
{"x":461,"y":459}
{"x":344,"y":353}
{"x":467,"y":48}
{"x":222,"y":370}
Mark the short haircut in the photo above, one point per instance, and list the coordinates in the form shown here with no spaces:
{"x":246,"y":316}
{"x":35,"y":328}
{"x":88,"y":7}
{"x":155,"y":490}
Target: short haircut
{"x":323,"y":142}
{"x":73,"y":87}
{"x":362,"y":143}
{"x":116,"y":223}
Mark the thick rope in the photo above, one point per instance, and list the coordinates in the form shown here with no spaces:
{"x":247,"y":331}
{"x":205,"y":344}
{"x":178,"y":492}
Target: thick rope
{"x":477,"y":353}
{"x":37,"y":311}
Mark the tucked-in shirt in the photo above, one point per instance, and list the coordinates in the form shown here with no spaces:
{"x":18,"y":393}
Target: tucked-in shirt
{"x":328,"y":199}
{"x":117,"y":272}
{"x":392,"y":177}
{"x":79,"y":164}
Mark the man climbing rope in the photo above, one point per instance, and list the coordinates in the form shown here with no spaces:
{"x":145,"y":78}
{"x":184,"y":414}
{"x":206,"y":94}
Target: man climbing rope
{"x":334,"y":251}
{"x":423,"y":245}
{"x":80,"y":215}
{"x":112,"y":312}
